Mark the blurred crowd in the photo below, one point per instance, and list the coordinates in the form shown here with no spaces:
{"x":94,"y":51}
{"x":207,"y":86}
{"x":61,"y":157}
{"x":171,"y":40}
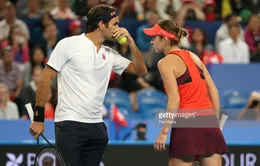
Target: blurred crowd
{"x":24,"y":52}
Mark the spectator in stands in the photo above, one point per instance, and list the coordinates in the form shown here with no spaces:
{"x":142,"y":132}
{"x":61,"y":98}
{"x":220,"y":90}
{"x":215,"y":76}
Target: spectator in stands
{"x":46,"y":19}
{"x":191,"y":11}
{"x":36,"y":59}
{"x":2,"y":6}
{"x":233,"y":49}
{"x":50,"y":39}
{"x":199,"y":42}
{"x":49,"y":43}
{"x":37,"y":33}
{"x":30,"y":93}
{"x":75,"y":28}
{"x":63,"y":10}
{"x":149,"y":5}
{"x":223,"y":31}
{"x":133,"y":9}
{"x":252,"y":33}
{"x":128,"y":9}
{"x":9,"y":20}
{"x":252,"y":109}
{"x":141,"y":130}
{"x":33,"y":9}
{"x":152,"y":79}
{"x":143,"y":41}
{"x":8,"y":109}
{"x":48,"y":5}
{"x":210,"y":10}
{"x":128,"y":82}
{"x":139,"y":9}
{"x":167,"y":9}
{"x":142,"y":8}
{"x":11,"y":75}
{"x":19,"y":44}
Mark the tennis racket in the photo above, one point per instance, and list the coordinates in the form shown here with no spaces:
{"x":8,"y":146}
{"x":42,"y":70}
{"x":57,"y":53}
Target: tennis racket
{"x":221,"y":125}
{"x":48,"y":155}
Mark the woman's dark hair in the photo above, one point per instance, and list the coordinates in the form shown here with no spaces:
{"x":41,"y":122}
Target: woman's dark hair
{"x":96,"y":12}
{"x":41,"y":19}
{"x":37,"y":47}
{"x":49,"y":25}
{"x":172,"y":27}
{"x":205,"y":40}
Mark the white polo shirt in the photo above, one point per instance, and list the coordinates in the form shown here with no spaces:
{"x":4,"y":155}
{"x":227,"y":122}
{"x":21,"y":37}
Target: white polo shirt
{"x":83,"y":77}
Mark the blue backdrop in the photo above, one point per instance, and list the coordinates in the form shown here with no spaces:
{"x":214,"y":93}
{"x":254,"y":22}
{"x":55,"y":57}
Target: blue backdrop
{"x":235,"y":132}
{"x":210,"y":28}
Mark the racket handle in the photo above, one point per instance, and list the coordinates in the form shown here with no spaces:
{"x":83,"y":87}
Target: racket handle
{"x":223,"y":121}
{"x":29,"y":109}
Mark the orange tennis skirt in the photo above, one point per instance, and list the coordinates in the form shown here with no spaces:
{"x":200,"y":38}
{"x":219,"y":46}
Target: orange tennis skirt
{"x":196,"y":136}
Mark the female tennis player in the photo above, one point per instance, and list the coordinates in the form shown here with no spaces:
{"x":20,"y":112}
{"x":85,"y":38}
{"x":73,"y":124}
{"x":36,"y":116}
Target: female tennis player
{"x":191,"y":91}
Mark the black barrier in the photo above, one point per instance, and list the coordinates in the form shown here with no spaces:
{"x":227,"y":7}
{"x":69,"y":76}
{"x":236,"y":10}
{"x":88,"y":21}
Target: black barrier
{"x":130,"y":155}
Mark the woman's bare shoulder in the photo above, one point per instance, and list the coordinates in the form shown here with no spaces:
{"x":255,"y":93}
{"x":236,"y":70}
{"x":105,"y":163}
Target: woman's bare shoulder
{"x":170,"y":59}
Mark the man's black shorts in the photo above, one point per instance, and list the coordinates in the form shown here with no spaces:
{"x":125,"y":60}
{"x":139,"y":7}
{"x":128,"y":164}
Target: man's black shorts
{"x":83,"y":144}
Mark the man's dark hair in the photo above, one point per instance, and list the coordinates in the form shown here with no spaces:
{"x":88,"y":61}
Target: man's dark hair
{"x":229,"y":17}
{"x":95,"y":13}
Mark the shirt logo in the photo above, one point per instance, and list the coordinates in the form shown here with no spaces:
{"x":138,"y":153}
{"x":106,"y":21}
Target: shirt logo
{"x":104,"y":56}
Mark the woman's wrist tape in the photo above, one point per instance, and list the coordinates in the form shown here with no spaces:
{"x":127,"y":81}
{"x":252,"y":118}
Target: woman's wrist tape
{"x":38,"y":114}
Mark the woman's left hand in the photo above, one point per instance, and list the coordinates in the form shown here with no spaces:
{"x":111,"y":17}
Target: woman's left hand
{"x":160,"y":142}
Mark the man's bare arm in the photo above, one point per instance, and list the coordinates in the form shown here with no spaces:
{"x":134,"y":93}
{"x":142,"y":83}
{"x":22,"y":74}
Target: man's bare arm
{"x":44,"y":86}
{"x":138,"y":66}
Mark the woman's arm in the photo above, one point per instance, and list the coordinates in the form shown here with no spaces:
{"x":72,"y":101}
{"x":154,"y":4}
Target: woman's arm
{"x":212,"y":91}
{"x":166,"y":69}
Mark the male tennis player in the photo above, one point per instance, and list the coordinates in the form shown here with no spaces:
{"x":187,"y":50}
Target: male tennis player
{"x":83,"y":66}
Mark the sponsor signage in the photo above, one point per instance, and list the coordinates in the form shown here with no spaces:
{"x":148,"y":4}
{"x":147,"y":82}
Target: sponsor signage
{"x":128,"y":155}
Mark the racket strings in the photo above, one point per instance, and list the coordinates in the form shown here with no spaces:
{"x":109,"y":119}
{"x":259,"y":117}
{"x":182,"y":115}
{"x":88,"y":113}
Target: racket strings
{"x":50,"y":156}
{"x":195,"y":163}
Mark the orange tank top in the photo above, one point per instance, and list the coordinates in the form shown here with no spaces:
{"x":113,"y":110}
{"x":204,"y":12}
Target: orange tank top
{"x":192,"y":88}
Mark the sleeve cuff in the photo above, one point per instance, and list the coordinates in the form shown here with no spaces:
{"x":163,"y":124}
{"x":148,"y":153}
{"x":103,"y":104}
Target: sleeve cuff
{"x":125,"y":65}
{"x":53,"y":66}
